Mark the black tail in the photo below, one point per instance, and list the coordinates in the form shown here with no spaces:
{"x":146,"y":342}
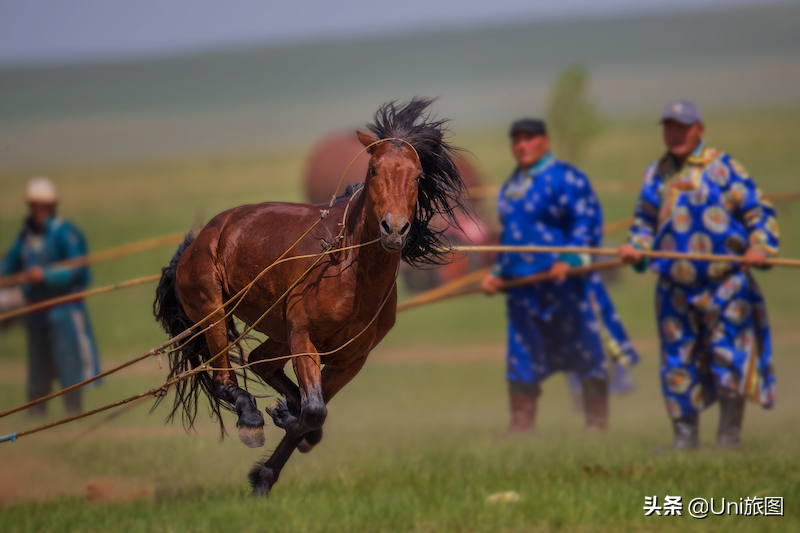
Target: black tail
{"x":169,"y":313}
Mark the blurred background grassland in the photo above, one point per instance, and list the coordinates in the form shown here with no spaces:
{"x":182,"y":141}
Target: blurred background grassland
{"x":146,"y":148}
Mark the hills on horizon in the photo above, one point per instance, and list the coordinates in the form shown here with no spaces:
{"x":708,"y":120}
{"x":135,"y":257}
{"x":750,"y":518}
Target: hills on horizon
{"x":235,"y":99}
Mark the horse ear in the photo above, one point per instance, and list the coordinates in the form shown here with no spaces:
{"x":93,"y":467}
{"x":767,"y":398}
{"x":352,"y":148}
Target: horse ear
{"x":366,"y":140}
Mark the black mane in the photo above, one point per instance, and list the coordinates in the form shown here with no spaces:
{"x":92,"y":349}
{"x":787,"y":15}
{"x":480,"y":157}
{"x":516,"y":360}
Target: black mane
{"x":441,"y":190}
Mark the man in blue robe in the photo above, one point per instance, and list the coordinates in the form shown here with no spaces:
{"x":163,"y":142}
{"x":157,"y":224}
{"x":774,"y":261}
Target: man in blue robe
{"x":715,"y":339}
{"x":60,"y":340}
{"x":568,"y":324}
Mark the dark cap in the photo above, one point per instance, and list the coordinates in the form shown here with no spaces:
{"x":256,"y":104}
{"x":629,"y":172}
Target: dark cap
{"x":682,"y":111}
{"x":534,"y":126}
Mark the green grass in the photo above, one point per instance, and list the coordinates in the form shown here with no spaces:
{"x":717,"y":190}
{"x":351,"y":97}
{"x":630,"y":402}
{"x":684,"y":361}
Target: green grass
{"x":410,"y":444}
{"x":413,"y":448}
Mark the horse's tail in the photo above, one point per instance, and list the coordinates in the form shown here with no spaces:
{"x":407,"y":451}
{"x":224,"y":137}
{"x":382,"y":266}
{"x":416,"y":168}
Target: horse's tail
{"x":193,"y":352}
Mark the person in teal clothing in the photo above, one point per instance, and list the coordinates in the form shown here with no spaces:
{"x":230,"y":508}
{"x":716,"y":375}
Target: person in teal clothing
{"x":715,"y":337}
{"x":60,"y":340}
{"x":565,"y":325}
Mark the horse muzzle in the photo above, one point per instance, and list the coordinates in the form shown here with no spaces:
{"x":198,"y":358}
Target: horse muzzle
{"x":394,"y":232}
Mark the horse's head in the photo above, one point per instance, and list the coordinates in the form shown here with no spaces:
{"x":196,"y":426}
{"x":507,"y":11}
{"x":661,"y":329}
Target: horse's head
{"x":392,"y":184}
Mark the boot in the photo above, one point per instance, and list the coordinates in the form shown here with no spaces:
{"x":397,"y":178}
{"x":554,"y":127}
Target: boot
{"x":595,"y":404}
{"x":523,"y":400}
{"x":686,"y":432}
{"x":73,"y":402}
{"x":731,"y":414}
{"x":37,"y":410}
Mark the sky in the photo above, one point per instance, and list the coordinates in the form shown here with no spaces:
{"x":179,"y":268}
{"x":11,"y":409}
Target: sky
{"x":70,"y":31}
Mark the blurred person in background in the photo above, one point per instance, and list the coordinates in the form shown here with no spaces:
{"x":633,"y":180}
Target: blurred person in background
{"x":715,"y":339}
{"x":60,"y":340}
{"x":568,"y":324}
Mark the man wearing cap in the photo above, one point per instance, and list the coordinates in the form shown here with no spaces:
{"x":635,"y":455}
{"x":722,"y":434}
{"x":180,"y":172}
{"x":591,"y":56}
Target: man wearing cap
{"x":715,"y":340}
{"x":568,"y":324}
{"x":60,"y":340}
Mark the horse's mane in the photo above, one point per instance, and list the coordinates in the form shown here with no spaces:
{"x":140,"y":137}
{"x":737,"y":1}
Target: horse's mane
{"x":441,"y":190}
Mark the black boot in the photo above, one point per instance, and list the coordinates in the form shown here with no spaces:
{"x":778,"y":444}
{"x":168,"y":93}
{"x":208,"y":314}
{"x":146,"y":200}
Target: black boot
{"x":37,"y":410}
{"x":595,"y":404}
{"x":686,"y":432}
{"x":73,"y":402}
{"x":731,"y":414}
{"x":523,"y":399}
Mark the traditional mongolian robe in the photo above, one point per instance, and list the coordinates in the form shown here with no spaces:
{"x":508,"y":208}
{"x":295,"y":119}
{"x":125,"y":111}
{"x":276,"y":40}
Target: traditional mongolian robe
{"x":569,"y":327}
{"x":60,"y":339}
{"x":712,"y":320}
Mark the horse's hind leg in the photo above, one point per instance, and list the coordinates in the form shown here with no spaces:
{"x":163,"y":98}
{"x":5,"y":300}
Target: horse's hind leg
{"x":251,"y":421}
{"x":201,"y":296}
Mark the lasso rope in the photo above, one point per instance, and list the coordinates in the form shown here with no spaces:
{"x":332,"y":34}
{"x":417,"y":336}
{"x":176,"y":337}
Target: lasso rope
{"x":162,"y":390}
{"x":240,"y":295}
{"x":465,"y":290}
{"x":610,"y":227}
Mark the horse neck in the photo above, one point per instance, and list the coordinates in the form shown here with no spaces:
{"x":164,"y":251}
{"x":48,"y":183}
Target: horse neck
{"x":376,"y":266}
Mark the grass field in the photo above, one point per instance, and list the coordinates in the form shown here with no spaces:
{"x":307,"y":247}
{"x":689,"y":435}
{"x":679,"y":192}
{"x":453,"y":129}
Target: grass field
{"x":411,"y":444}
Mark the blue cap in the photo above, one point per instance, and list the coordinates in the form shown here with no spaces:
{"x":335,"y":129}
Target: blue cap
{"x":682,"y":111}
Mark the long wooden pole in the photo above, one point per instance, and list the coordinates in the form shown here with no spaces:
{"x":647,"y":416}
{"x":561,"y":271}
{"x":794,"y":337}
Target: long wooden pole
{"x":614,"y":252}
{"x":429,"y":298}
{"x":491,"y":191}
{"x":104,"y":255}
{"x":77,"y":296}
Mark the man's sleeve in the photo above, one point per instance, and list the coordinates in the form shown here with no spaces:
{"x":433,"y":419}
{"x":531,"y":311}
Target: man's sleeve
{"x":645,"y":218}
{"x":72,"y":243}
{"x":12,"y":262}
{"x":582,"y":216}
{"x":753,"y":210}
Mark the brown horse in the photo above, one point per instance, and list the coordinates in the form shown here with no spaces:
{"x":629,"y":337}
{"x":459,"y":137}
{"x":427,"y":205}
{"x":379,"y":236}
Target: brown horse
{"x":337,"y":150}
{"x":348,"y":296}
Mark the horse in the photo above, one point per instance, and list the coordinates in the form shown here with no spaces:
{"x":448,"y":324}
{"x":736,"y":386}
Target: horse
{"x":329,"y":310}
{"x":339,"y":149}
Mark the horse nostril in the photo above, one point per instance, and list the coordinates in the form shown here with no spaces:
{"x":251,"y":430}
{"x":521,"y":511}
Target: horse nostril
{"x":405,"y":229}
{"x":385,"y":227}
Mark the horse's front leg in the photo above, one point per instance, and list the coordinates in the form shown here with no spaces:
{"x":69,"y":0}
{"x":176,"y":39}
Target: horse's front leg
{"x":308,"y":369}
{"x":303,"y":408}
{"x":265,"y":474}
{"x":298,"y":426}
{"x":251,"y":421}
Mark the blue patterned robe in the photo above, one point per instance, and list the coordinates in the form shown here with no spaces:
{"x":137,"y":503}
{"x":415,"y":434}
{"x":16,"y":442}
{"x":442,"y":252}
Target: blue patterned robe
{"x":60,"y":339}
{"x":712,"y":319}
{"x":570,"y":327}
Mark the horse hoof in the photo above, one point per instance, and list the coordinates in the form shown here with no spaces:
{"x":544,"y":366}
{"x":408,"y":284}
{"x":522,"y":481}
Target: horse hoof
{"x":259,"y":493}
{"x":252,"y":437}
{"x":305,"y":447}
{"x":311,"y":439}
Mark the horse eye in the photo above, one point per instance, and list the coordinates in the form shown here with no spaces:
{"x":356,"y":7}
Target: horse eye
{"x":371,"y":171}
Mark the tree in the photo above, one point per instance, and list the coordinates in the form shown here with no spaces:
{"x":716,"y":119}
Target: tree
{"x":572,"y":118}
